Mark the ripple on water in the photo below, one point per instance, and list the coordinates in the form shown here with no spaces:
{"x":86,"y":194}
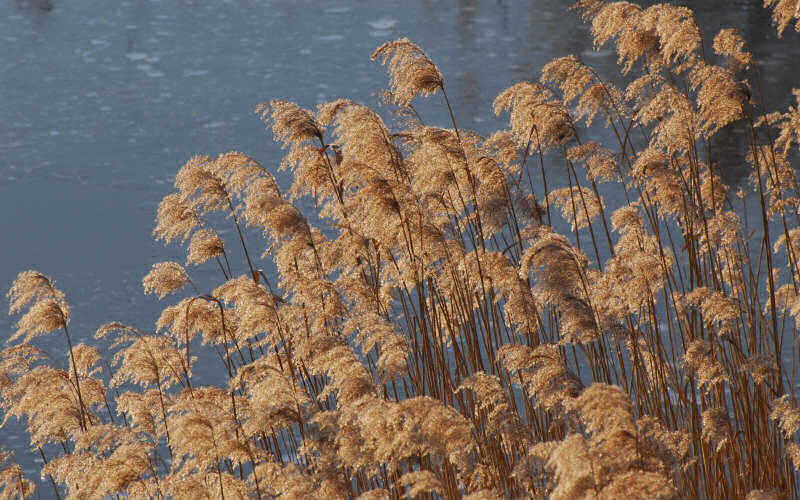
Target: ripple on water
{"x":589,"y":54}
{"x":330,"y":38}
{"x":136,"y":56}
{"x":382,"y":24}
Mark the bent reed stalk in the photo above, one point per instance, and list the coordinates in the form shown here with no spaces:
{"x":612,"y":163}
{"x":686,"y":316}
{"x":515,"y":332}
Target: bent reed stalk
{"x":437,"y":337}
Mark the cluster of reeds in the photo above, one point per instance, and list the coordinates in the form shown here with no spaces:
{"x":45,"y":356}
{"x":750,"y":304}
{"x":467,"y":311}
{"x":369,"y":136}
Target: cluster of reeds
{"x":436,"y":336}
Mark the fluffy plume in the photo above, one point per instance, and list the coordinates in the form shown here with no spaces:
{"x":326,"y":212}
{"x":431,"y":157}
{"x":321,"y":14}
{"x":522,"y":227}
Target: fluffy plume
{"x":543,"y":371}
{"x":48,"y":309}
{"x":175,"y":219}
{"x":721,"y":98}
{"x":787,"y":416}
{"x":783,"y":11}
{"x":578,"y":205}
{"x":12,"y":483}
{"x":535,"y":115}
{"x":700,"y":361}
{"x":205,"y":244}
{"x":606,"y":464}
{"x":717,"y":427}
{"x":730,"y":43}
{"x":420,"y":482}
{"x":290,"y":122}
{"x":164,"y":278}
{"x":411,"y":71}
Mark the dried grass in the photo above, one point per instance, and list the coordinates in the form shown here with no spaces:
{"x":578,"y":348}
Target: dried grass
{"x":437,"y":337}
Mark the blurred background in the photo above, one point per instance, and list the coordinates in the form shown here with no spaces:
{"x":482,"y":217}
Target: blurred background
{"x":102,"y":102}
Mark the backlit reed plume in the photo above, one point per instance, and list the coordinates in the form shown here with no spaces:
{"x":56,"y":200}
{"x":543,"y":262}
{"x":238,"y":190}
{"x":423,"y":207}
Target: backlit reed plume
{"x":412,"y":72}
{"x":783,"y":12}
{"x":12,"y":483}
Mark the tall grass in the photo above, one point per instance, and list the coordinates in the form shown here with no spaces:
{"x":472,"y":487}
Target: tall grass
{"x":436,"y":336}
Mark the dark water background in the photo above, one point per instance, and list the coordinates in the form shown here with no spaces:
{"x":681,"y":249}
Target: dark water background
{"x":101,"y":102}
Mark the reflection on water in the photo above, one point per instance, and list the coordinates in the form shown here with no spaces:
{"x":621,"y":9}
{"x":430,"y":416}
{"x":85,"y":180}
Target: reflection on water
{"x":101,"y":102}
{"x":43,"y":5}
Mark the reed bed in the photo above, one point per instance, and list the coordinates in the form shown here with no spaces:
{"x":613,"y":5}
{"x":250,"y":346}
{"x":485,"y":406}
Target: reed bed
{"x":430,"y":333}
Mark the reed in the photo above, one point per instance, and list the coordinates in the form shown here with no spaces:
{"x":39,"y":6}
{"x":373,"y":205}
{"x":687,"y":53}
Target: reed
{"x":464,"y":316}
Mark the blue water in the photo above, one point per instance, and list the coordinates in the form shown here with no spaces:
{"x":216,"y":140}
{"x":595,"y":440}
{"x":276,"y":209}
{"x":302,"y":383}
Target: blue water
{"x":101,"y":103}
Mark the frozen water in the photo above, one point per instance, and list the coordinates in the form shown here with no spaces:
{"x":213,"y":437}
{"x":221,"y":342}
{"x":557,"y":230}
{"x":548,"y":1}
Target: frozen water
{"x":330,"y":38}
{"x":136,"y":56}
{"x":382,"y":24}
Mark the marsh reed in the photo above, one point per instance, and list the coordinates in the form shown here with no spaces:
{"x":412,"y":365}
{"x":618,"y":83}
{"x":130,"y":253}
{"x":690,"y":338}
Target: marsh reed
{"x":436,"y":336}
